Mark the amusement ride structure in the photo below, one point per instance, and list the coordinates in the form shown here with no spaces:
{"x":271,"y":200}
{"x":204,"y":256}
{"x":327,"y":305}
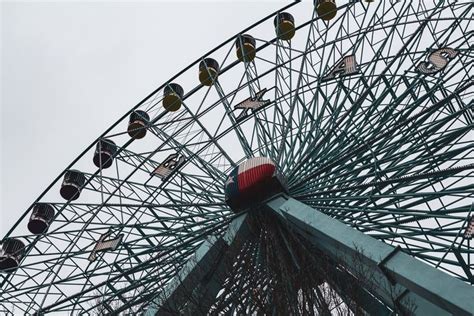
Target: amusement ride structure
{"x":325,"y":169}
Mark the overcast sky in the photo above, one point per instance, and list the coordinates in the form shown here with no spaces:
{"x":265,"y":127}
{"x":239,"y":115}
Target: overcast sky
{"x":69,"y":70}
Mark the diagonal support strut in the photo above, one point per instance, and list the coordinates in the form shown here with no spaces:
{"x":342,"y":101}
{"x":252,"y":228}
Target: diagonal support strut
{"x":400,"y":281}
{"x":198,"y":282}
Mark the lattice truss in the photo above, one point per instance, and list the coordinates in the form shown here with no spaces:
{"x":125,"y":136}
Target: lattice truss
{"x":360,"y":129}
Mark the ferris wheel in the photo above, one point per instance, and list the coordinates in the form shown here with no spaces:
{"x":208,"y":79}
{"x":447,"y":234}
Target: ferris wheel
{"x":316,"y":149}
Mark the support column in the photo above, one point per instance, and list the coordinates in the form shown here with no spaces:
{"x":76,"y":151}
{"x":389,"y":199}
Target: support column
{"x":200,"y":279}
{"x":399,"y":280}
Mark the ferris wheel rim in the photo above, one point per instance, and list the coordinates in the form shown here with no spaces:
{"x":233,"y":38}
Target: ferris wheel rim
{"x":255,"y":150}
{"x":121,"y":119}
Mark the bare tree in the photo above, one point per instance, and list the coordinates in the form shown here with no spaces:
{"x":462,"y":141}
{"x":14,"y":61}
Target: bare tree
{"x":274,"y":271}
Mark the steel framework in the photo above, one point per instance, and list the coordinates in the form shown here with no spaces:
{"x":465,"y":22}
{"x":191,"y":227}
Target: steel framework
{"x":370,"y":118}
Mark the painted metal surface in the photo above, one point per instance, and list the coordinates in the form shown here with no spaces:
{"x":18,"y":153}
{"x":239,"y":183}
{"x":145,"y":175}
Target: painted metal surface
{"x":386,"y":150}
{"x":431,"y":290}
{"x":206,"y":259}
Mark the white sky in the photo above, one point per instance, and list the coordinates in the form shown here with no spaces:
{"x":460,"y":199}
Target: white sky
{"x":69,"y":70}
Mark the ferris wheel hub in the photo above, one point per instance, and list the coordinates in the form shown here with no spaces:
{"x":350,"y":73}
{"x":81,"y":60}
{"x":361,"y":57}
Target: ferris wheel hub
{"x":252,"y":182}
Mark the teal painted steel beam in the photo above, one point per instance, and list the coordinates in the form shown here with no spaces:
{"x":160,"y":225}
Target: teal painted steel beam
{"x":203,"y":272}
{"x":399,"y":280}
